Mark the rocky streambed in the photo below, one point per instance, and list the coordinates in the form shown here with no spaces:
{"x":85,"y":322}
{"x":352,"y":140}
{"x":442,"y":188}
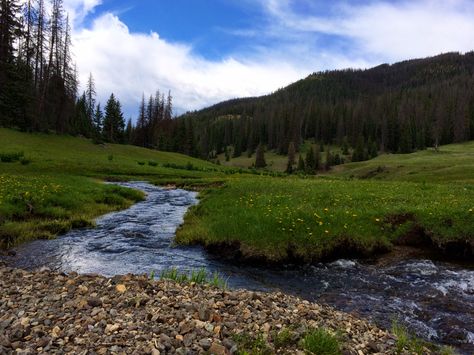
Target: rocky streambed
{"x":435,"y":300}
{"x":45,"y":312}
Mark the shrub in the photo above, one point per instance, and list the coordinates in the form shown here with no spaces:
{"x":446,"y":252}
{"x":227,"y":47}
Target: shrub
{"x":283,"y":338}
{"x":141,"y":162}
{"x":11,"y":157}
{"x":152,"y":163}
{"x":248,"y":344}
{"x":25,"y":161}
{"x":321,"y":342}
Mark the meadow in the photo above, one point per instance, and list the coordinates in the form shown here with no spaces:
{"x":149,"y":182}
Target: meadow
{"x":322,"y":218}
{"x":55,"y":183}
{"x":451,"y":163}
{"x":50,"y":183}
{"x":277,"y":162}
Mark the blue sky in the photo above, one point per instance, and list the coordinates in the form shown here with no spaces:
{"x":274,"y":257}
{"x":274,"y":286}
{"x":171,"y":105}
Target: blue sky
{"x":206,"y":51}
{"x":205,"y":25}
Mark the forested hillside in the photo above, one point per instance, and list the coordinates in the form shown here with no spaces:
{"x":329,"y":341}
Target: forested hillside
{"x":401,"y":107}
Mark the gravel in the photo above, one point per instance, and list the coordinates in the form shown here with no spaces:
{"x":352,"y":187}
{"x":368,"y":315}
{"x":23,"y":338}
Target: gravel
{"x":45,"y":312}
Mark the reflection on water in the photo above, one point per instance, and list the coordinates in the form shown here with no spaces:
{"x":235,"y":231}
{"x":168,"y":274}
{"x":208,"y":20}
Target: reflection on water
{"x":436,"y":300}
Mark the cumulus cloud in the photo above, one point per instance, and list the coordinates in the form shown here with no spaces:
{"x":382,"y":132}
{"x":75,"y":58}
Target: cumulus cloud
{"x":79,"y":9}
{"x":289,"y":44}
{"x":129,"y":64}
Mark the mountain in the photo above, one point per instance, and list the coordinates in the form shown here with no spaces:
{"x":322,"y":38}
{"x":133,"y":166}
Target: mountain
{"x":401,"y":107}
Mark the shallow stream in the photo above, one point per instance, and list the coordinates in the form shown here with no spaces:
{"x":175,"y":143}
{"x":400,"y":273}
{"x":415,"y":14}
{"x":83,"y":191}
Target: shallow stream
{"x":434,"y":299}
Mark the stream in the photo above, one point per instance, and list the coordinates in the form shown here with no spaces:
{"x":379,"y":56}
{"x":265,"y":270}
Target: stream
{"x":433,"y":299}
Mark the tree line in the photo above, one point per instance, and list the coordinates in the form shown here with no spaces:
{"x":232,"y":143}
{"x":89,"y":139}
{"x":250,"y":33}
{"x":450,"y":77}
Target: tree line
{"x":38,"y":80}
{"x":39,"y":85}
{"x":395,"y":108}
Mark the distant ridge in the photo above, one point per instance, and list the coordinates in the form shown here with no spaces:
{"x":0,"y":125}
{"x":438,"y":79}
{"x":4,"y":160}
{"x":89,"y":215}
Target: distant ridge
{"x":402,"y":107}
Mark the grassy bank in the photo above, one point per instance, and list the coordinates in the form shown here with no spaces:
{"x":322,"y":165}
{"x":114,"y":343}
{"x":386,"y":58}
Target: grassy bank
{"x":54,"y":183}
{"x":311,"y":219}
{"x":53,"y":154}
{"x":50,"y":184}
{"x":451,"y":163}
{"x":42,"y":206}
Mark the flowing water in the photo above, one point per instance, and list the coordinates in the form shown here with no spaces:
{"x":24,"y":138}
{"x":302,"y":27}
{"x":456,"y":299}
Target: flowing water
{"x":434,"y":299}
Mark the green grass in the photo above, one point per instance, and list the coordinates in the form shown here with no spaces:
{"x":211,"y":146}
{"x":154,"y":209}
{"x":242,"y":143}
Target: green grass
{"x":273,"y":218}
{"x":284,"y":338}
{"x":199,"y":277}
{"x":275,"y":162}
{"x":43,"y":206}
{"x":53,"y":154}
{"x":60,"y":187}
{"x":321,"y":342}
{"x":408,"y":343}
{"x":252,"y":345}
{"x":452,"y":163}
{"x":50,"y":184}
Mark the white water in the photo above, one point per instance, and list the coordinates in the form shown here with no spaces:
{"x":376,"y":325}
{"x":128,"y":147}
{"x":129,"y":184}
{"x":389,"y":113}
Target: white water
{"x":435,"y":300}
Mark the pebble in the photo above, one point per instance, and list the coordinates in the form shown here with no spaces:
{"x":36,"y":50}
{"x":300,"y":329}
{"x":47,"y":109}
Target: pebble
{"x":218,"y":349}
{"x":49,"y":313}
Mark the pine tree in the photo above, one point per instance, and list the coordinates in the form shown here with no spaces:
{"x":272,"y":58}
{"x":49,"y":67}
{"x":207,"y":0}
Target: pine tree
{"x":291,"y":158}
{"x":317,"y":158}
{"x":359,"y":153}
{"x":129,"y":132}
{"x":372,"y":146}
{"x":309,"y":161}
{"x":98,"y":121}
{"x":168,"y":107}
{"x":10,"y":27}
{"x":90,"y":97}
{"x":114,"y":124}
{"x":301,"y":166}
{"x":190,"y":146}
{"x":260,"y":157}
{"x":140,"y":134}
{"x":237,"y":147}
{"x":81,"y":124}
{"x":329,"y":159}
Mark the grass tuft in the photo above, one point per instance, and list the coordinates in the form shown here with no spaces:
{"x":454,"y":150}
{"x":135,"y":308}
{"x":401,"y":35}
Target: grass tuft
{"x":252,"y":345}
{"x":406,"y":342}
{"x":283,"y":338}
{"x":321,"y":342}
{"x":199,"y":276}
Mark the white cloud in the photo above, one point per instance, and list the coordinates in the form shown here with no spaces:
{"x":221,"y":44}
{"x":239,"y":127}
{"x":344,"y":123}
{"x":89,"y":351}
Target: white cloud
{"x":129,"y":64}
{"x":289,"y":45}
{"x":79,"y":9}
{"x":383,"y":30}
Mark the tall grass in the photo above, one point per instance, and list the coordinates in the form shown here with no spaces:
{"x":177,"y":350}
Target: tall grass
{"x":200,"y":276}
{"x":321,"y":342}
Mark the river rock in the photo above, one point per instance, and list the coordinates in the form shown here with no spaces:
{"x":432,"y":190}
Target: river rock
{"x":89,"y":314}
{"x":205,"y":344}
{"x":218,"y":349}
{"x":94,"y":302}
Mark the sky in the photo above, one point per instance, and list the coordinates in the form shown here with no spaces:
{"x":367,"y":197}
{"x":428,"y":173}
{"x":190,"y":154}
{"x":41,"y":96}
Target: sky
{"x":207,"y":51}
